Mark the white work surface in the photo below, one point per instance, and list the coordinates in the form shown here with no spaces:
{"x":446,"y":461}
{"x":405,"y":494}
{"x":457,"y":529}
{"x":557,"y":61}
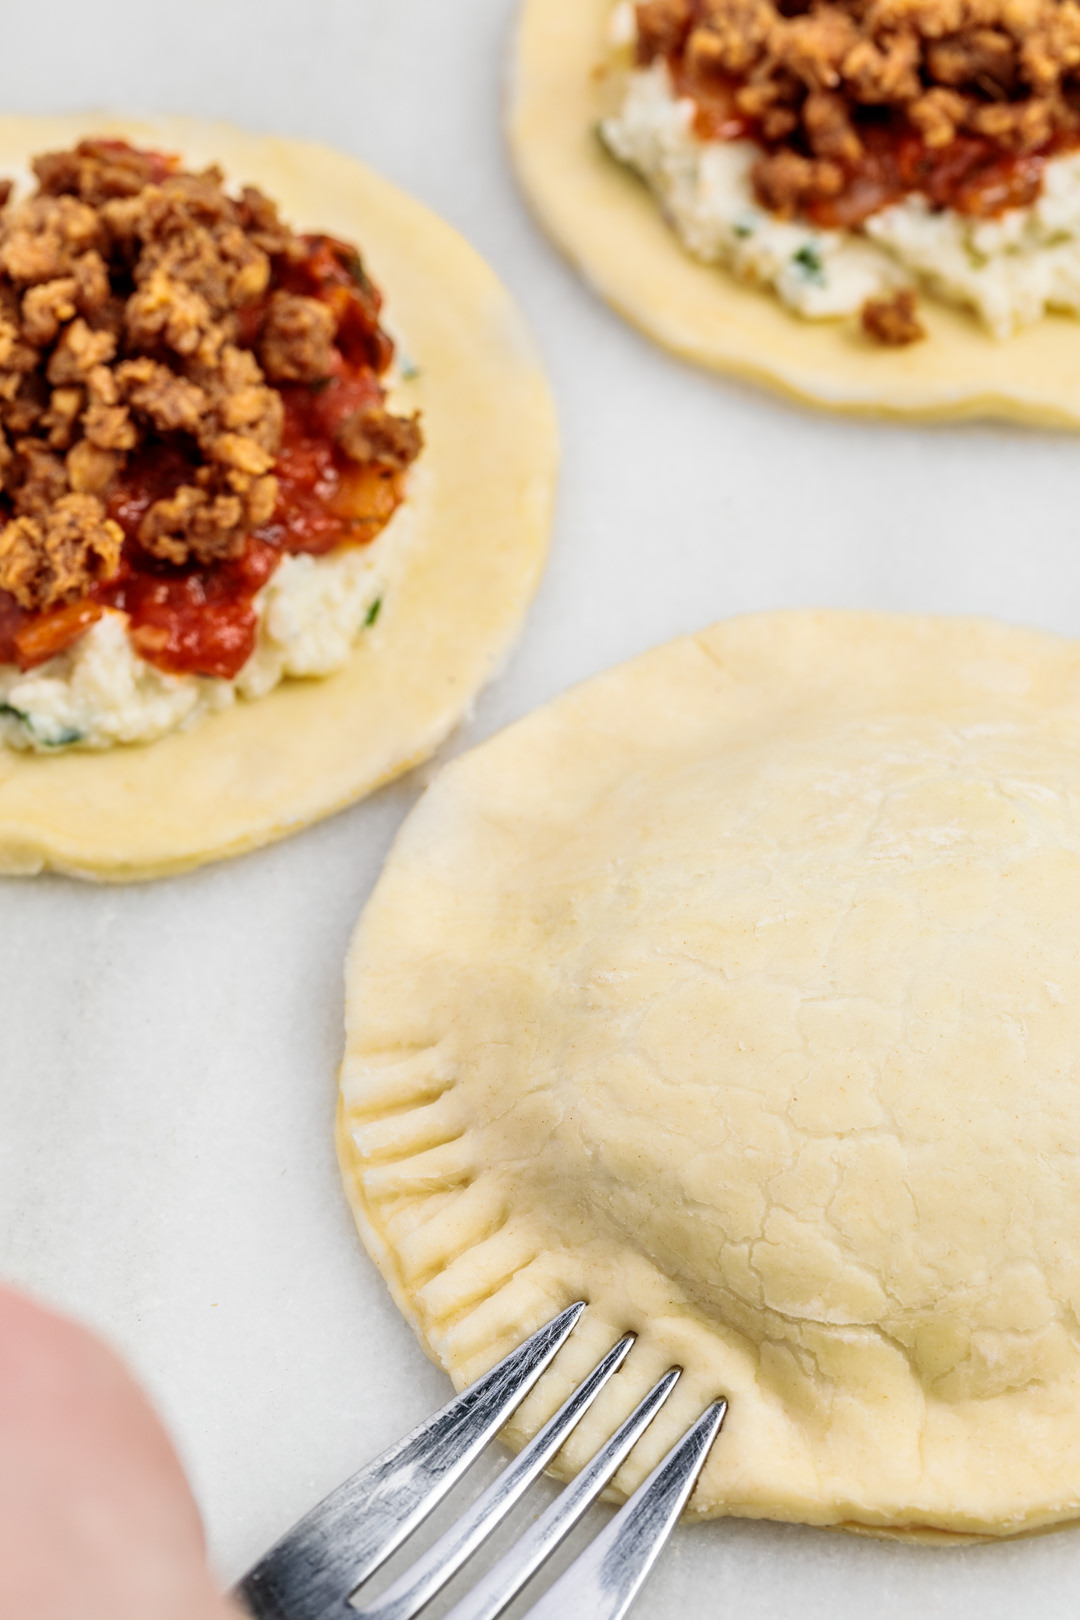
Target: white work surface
{"x":167,"y":1086}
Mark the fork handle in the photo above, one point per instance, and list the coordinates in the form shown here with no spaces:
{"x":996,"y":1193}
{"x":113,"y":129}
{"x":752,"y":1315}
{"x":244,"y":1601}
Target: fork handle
{"x":310,"y":1573}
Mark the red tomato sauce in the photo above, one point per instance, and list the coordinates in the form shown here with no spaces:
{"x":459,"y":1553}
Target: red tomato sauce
{"x":201,"y":619}
{"x":970,"y":174}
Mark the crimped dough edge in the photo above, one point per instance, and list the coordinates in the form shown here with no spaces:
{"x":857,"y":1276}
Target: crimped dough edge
{"x":611,"y":228}
{"x":473,"y":536}
{"x":475,"y":1264}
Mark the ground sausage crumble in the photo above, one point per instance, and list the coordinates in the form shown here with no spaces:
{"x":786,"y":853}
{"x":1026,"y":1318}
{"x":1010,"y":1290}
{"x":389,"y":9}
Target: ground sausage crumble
{"x":858,"y":101}
{"x":168,"y":354}
{"x":893,"y":321}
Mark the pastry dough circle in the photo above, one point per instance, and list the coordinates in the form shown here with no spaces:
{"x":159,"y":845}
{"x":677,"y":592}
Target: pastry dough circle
{"x":473,"y":532}
{"x":611,"y":227}
{"x":738,"y":992}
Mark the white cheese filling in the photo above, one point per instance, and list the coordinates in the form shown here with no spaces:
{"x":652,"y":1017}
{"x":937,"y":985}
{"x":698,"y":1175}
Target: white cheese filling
{"x":1010,"y":270}
{"x":101,"y":692}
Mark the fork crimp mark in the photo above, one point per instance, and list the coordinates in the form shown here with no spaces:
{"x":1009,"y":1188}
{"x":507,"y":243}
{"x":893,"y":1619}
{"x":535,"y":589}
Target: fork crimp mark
{"x":310,"y":1573}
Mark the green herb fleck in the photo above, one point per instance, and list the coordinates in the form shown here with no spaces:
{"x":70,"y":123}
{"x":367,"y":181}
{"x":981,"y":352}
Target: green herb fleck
{"x":373,"y":613}
{"x":408,"y":368}
{"x":977,"y":259}
{"x":810,"y":263}
{"x":319,"y":384}
{"x":743,"y":228}
{"x":63,"y":739}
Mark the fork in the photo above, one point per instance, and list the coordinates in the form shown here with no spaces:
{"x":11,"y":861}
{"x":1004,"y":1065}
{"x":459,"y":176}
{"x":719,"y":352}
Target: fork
{"x":317,"y":1566}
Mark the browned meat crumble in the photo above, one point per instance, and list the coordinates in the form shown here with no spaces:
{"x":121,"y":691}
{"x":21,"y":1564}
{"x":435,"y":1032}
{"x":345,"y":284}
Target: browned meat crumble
{"x":893,"y":321}
{"x":134,"y":304}
{"x":49,"y":558}
{"x":817,"y":80}
{"x":374,"y":434}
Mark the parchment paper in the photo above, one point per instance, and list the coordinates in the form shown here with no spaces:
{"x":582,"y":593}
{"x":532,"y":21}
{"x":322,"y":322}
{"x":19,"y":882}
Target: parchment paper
{"x":167,"y":1083}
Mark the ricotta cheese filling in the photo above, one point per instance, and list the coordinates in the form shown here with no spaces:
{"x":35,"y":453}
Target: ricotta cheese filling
{"x":101,"y":692}
{"x":1009,"y":270}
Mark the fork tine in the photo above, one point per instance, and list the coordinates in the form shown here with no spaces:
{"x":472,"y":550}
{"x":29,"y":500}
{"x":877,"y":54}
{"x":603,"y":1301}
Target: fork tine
{"x":602,"y":1583}
{"x":505,"y":1579}
{"x":418,"y":1585}
{"x":310,"y":1572}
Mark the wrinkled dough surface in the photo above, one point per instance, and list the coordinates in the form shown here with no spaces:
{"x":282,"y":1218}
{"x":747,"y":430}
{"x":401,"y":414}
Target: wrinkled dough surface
{"x":611,"y":227}
{"x":738,"y":991}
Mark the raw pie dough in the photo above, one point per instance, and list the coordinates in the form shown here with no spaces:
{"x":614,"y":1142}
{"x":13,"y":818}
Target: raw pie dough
{"x":738,"y":993}
{"x":472,"y":534}
{"x":609,"y":224}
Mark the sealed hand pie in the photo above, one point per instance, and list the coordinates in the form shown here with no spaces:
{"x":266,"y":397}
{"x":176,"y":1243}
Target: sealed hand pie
{"x":871,"y":206}
{"x":262,"y":537}
{"x":737,"y":992}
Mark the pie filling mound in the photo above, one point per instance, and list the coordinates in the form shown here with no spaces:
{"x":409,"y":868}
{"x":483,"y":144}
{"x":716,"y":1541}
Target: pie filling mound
{"x":196,"y":451}
{"x":737,"y":992}
{"x":845,"y":152}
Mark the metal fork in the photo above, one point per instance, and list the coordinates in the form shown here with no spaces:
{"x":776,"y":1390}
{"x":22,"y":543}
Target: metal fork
{"x":314,"y":1570}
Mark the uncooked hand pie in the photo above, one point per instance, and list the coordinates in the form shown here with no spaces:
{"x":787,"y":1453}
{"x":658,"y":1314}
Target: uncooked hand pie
{"x":261,"y":537}
{"x":737,"y":992}
{"x":871,"y":206}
